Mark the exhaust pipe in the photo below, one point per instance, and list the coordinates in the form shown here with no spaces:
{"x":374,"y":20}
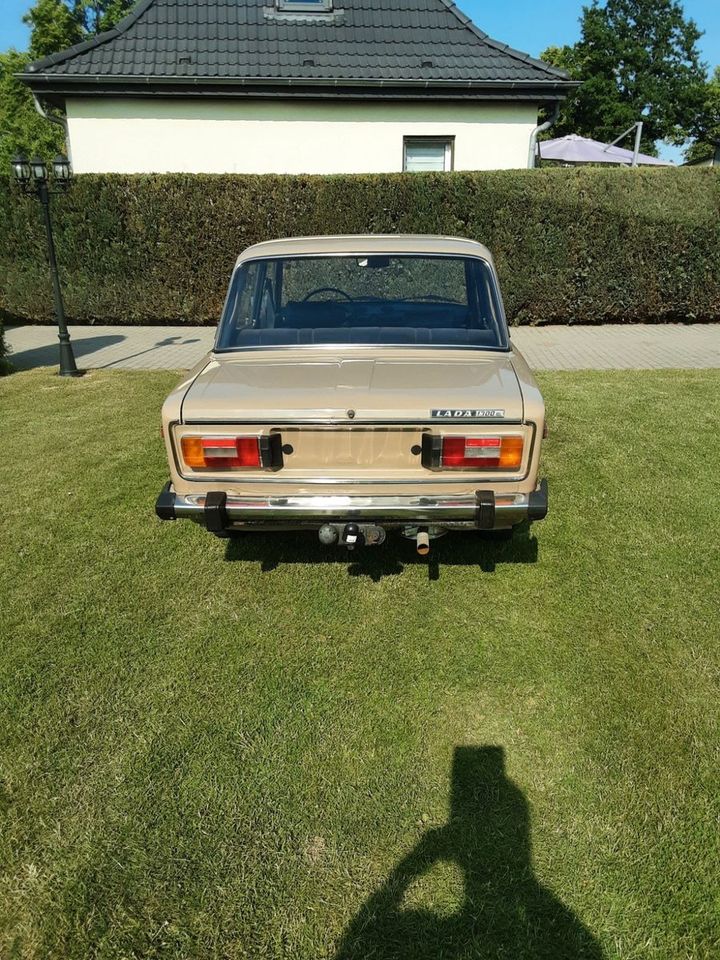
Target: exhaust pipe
{"x":423,"y":543}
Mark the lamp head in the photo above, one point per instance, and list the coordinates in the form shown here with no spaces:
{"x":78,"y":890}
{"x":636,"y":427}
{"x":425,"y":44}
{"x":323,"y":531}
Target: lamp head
{"x":38,"y":170}
{"x":62,"y":171}
{"x":21,"y":169}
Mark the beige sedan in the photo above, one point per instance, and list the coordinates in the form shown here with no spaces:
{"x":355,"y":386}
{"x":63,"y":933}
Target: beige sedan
{"x":358,"y":384}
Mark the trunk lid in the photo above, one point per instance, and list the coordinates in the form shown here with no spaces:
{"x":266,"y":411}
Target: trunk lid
{"x":296,"y":389}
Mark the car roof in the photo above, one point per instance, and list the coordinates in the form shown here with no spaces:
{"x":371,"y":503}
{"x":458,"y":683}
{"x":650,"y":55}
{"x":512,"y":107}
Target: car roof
{"x":367,"y":243}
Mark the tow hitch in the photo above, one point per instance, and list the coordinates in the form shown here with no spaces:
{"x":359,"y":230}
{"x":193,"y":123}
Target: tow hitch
{"x":351,"y":535}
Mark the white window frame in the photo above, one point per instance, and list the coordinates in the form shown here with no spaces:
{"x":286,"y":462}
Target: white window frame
{"x":449,"y":143}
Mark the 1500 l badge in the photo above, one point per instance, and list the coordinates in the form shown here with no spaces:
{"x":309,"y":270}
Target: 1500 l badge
{"x":484,"y":414}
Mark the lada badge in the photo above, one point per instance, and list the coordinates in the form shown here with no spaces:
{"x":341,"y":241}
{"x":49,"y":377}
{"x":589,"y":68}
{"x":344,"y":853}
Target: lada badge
{"x":486,"y":413}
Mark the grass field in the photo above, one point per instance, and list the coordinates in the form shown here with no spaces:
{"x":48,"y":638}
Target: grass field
{"x":266,"y":750}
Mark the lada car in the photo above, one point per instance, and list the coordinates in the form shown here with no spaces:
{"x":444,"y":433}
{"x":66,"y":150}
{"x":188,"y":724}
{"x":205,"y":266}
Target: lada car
{"x":358,"y":384}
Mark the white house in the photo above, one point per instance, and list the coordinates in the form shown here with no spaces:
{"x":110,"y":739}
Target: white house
{"x":295,"y":86}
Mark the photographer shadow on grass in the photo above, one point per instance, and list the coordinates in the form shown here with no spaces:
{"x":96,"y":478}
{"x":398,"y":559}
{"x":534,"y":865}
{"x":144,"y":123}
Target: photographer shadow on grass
{"x":505,"y":912}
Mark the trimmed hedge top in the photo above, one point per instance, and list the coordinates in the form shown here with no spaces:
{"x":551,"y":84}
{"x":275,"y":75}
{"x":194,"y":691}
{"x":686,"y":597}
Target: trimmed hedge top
{"x":571,"y":245}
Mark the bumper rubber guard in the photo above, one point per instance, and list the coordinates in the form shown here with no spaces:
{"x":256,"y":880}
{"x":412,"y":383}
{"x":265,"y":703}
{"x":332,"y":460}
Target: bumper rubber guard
{"x":165,"y":503}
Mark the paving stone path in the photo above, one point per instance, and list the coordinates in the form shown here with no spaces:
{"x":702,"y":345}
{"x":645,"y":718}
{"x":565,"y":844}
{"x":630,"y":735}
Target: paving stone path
{"x":546,"y":348}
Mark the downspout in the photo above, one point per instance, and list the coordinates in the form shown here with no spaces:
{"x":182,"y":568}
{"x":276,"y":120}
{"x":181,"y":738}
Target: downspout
{"x":58,"y":119}
{"x":536,"y":133}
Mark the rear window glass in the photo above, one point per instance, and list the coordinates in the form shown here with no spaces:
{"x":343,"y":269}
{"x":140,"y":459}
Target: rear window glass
{"x":442,"y":301}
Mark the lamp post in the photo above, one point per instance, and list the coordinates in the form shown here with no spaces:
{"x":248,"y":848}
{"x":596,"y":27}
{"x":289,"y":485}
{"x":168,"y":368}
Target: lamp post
{"x":33,"y":178}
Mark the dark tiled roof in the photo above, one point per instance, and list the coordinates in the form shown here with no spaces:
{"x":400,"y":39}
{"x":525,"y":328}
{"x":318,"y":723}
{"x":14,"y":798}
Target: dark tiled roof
{"x":247,"y":40}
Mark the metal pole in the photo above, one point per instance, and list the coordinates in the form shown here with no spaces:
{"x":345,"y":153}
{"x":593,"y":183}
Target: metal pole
{"x":638,"y":128}
{"x":638,"y":138}
{"x":68,"y":367}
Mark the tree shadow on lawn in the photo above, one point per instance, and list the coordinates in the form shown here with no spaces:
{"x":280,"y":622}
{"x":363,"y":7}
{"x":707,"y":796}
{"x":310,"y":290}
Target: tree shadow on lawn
{"x":458,"y":548}
{"x":504,"y":911}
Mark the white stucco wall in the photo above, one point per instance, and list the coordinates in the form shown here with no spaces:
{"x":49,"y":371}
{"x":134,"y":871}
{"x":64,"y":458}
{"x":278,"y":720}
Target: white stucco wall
{"x":153,"y":135}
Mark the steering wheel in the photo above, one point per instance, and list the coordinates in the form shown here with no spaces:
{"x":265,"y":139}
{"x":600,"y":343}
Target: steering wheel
{"x":327,"y":290}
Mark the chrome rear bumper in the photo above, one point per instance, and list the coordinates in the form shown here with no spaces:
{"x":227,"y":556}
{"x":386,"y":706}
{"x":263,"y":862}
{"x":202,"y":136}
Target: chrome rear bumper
{"x":485,"y":510}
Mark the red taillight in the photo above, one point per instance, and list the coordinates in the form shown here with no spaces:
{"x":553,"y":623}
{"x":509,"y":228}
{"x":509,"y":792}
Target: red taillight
{"x":470,"y":451}
{"x":481,"y":453}
{"x":221,"y":453}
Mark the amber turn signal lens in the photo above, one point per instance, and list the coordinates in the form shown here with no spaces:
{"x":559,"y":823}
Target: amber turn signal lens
{"x":193,"y":453}
{"x":511,"y":453}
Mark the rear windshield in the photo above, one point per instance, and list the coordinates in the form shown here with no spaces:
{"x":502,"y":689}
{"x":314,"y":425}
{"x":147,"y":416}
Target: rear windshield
{"x":385,"y":300}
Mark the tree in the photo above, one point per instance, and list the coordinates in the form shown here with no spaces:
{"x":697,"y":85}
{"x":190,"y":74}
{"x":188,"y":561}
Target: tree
{"x":22,"y":129}
{"x":708,"y":137}
{"x":55,"y":25}
{"x":95,"y":16}
{"x":637,"y":60}
{"x":58,"y":24}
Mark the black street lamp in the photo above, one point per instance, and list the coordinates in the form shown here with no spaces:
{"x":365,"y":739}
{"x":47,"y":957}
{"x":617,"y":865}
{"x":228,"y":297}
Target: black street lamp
{"x":33,"y":178}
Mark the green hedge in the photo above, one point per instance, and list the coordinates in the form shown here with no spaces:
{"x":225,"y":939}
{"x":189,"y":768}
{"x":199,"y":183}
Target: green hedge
{"x":571,"y":246}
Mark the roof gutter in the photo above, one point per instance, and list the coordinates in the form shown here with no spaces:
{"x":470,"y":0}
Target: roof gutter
{"x":143,"y":80}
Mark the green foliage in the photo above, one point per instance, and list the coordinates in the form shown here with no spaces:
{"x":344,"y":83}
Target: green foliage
{"x":58,"y":24}
{"x":95,"y":16}
{"x":709,"y":136}
{"x":21,"y":126}
{"x":53,"y":27}
{"x":581,"y":245}
{"x":638,"y":60}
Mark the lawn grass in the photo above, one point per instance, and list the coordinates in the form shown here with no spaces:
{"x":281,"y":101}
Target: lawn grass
{"x":269,"y":750}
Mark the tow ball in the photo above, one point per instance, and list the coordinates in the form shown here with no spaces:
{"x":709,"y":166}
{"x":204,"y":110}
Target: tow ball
{"x":351,"y":535}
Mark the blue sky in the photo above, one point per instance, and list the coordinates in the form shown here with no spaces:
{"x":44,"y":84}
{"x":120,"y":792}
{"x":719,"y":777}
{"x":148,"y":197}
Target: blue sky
{"x":525,"y":24}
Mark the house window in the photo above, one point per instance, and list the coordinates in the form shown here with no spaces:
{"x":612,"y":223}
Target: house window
{"x":304,"y":6}
{"x":428,"y":153}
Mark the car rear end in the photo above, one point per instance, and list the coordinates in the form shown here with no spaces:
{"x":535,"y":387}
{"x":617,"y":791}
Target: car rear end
{"x":355,"y":438}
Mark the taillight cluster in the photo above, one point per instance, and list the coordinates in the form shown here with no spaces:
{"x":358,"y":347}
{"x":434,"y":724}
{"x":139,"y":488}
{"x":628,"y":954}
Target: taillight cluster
{"x":232,"y":453}
{"x":472,"y":453}
{"x":482,"y":452}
